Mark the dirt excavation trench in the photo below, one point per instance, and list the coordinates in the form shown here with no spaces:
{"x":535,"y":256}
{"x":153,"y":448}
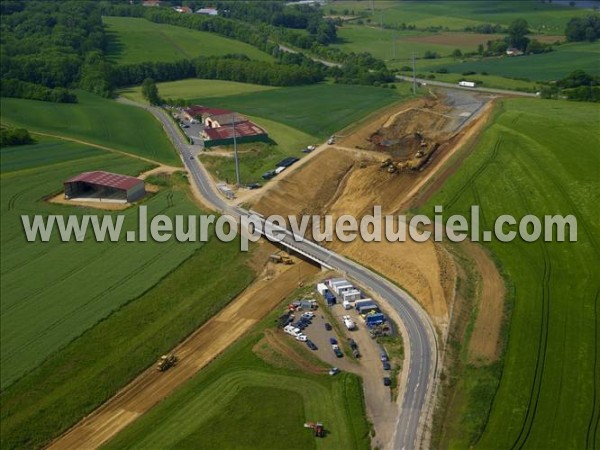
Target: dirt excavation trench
{"x":199,"y":349}
{"x":349,"y":177}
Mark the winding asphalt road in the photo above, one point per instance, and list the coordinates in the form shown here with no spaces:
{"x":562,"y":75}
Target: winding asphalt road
{"x":420,"y":339}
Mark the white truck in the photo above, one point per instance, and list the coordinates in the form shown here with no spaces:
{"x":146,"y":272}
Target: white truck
{"x":350,"y":324}
{"x":469,"y":84}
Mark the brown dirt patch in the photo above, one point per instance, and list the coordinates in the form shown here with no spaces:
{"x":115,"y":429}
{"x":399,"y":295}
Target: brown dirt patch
{"x":274,"y":350}
{"x":105,"y":206}
{"x":484,"y":345}
{"x":194,"y":353}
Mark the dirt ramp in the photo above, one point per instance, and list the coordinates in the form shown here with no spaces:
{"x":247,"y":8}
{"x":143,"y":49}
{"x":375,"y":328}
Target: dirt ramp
{"x":308,"y":189}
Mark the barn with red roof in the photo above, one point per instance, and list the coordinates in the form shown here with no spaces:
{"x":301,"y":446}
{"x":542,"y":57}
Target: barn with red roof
{"x":104,"y":186}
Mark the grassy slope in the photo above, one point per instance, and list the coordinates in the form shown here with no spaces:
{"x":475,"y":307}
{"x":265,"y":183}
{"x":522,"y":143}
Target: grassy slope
{"x":196,"y":88}
{"x":318,"y":110}
{"x":544,"y":67}
{"x":195,"y":417}
{"x":52,"y":292}
{"x":97,"y":120}
{"x":525,"y":164}
{"x":134,"y":40}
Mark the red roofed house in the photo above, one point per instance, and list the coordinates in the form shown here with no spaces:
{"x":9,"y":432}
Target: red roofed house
{"x":219,"y":126}
{"x":104,"y":187}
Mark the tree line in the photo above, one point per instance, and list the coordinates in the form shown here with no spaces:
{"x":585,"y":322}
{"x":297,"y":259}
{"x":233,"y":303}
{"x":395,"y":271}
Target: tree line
{"x":51,"y":46}
{"x":231,"y":68}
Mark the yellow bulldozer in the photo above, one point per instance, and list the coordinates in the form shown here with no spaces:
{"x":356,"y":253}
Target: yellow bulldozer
{"x":166,"y":362}
{"x":281,"y":259}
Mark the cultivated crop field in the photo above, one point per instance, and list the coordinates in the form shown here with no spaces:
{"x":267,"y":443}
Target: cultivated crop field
{"x":96,"y":120}
{"x":220,"y":404}
{"x":196,"y":88}
{"x":380,"y":42}
{"x":318,"y":110}
{"x":77,"y":284}
{"x":537,"y":157}
{"x":546,"y":18}
{"x":94,"y":313}
{"x":134,"y":40}
{"x":543,"y":67}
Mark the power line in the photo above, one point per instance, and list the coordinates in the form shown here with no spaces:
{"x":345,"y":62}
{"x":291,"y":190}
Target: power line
{"x":235,"y":154}
{"x":414,"y":74}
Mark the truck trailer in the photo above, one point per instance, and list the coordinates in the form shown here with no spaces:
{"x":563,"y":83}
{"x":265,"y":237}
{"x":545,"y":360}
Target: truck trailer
{"x":469,"y":84}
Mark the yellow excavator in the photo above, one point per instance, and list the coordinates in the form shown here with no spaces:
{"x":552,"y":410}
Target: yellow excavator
{"x":166,"y":362}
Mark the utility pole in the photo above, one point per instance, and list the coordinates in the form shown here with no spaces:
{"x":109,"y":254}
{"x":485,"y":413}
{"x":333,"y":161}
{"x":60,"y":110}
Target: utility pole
{"x":414,"y":74}
{"x":235,"y":154}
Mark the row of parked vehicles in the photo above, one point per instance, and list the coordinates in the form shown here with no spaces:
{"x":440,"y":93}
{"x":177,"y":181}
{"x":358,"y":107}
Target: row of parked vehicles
{"x":296,"y":328}
{"x":280,"y":167}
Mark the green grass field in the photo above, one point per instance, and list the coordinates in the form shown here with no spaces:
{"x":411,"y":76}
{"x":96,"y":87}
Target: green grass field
{"x":318,"y":110}
{"x":546,"y":18}
{"x":543,"y":67}
{"x":488,"y":81}
{"x":380,"y":42}
{"x":257,"y":158}
{"x":240,"y":401}
{"x":74,"y":285}
{"x":196,"y":88}
{"x":133,"y":40}
{"x":93,"y":313}
{"x":95,"y":120}
{"x":525,"y":163}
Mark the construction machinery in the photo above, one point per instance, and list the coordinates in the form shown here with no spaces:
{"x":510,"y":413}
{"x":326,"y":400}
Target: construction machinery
{"x":281,"y":259}
{"x":166,"y":362}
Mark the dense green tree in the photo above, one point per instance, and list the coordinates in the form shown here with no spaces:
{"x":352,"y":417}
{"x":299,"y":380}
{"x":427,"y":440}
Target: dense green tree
{"x":15,"y":136}
{"x":150,"y":91}
{"x":583,"y":29}
{"x":517,"y":34}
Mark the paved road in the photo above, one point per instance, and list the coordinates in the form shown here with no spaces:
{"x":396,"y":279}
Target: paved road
{"x":476,"y":89}
{"x":421,"y":342}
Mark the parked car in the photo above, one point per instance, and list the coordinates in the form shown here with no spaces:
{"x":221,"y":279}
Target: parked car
{"x":301,"y":338}
{"x":356,"y":353}
{"x":310,"y":344}
{"x":333,"y":341}
{"x":268,"y":175}
{"x":387,"y":381}
{"x":338,"y":352}
{"x":383,"y":356}
{"x":252,"y":186}
{"x":334,"y":371}
{"x":386,"y":365}
{"x":327,"y":326}
{"x":308,"y":315}
{"x":280,"y":169}
{"x":287,"y":162}
{"x":352,"y":343}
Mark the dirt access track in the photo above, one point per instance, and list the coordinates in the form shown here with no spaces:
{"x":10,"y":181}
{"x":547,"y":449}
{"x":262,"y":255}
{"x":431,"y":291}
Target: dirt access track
{"x":194,"y":353}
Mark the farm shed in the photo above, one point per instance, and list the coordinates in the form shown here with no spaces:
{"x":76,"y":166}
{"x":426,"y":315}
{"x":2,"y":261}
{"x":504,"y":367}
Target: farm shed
{"x":104,"y":187}
{"x":244,"y":132}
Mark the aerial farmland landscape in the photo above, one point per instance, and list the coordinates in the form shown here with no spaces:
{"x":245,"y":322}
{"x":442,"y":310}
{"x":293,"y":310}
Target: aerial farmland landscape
{"x":300,"y":224}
